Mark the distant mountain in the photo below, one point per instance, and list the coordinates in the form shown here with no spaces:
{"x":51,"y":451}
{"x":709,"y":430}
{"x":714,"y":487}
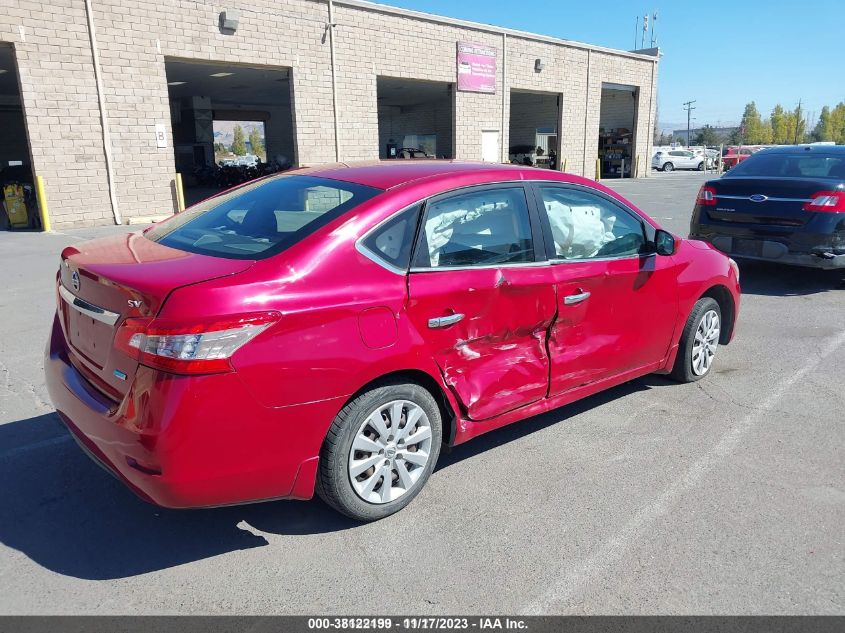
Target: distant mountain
{"x":224,"y":130}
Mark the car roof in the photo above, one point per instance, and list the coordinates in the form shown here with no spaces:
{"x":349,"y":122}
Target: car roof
{"x":389,"y":174}
{"x":794,"y":149}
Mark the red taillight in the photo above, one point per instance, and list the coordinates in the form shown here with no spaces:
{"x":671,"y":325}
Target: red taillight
{"x":706,"y":196}
{"x":826,"y":201}
{"x":201,"y":347}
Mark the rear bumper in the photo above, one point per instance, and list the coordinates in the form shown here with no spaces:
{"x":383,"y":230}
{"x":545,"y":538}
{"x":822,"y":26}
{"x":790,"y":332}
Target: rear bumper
{"x":188,"y":442}
{"x":799,"y":249}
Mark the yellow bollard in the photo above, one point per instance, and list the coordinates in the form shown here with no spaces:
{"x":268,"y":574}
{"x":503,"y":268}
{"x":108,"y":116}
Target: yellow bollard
{"x":598,"y":169}
{"x":565,"y":164}
{"x":637,"y":167}
{"x":42,"y":203}
{"x":180,"y":193}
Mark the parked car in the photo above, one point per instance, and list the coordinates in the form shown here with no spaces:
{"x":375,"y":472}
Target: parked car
{"x":677,"y":159}
{"x":732,"y":156}
{"x":786,"y":204}
{"x":249,"y":160}
{"x":330,"y":328}
{"x":412,"y":152}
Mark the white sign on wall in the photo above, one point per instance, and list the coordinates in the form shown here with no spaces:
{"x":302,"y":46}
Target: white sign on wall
{"x":161,"y":135}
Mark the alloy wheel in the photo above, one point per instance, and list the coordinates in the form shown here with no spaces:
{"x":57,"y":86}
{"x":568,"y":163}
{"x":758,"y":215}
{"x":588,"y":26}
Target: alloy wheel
{"x":390,"y":451}
{"x":705,"y":343}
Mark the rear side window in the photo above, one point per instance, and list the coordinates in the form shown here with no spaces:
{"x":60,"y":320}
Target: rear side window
{"x":393,"y":241}
{"x":791,"y":166}
{"x":262,"y":219}
{"x":478,"y":228}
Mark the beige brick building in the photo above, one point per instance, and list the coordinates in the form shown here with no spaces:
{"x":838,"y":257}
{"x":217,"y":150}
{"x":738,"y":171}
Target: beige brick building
{"x":89,"y":82}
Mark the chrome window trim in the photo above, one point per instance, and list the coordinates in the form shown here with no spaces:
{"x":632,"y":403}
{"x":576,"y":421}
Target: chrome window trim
{"x":88,"y":309}
{"x":582,"y":260}
{"x":375,"y":257}
{"x":768,"y":199}
{"x":443,"y":269}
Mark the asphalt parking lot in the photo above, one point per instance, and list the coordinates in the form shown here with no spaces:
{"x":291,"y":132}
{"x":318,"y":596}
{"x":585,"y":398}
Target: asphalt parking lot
{"x":725,"y":496}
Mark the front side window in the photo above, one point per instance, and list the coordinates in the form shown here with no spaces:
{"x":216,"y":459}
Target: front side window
{"x":478,"y":228}
{"x":261,"y":219}
{"x":587,"y":226}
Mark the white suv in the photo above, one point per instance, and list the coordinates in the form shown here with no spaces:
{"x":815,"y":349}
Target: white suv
{"x":677,"y":159}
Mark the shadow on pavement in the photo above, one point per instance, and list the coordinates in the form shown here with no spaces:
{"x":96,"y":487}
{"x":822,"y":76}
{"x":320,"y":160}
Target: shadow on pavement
{"x":777,"y":280}
{"x":66,"y":514}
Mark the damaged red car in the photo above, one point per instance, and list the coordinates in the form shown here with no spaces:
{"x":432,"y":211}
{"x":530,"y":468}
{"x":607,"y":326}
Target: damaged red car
{"x":330,"y":329}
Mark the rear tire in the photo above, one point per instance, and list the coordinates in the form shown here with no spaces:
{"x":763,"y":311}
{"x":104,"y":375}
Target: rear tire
{"x":668,"y":167}
{"x":399,"y":459}
{"x":699,"y":341}
{"x":700,"y":166}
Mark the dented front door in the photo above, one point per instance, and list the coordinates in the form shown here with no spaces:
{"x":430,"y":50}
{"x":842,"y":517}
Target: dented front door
{"x":487,"y":328}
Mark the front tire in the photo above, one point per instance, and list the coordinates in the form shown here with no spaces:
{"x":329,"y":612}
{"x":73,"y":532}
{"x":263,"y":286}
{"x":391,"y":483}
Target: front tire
{"x":380,"y":451}
{"x":699,"y":341}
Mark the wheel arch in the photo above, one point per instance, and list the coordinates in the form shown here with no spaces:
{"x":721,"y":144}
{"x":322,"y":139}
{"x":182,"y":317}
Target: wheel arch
{"x":721,"y":295}
{"x":448,"y":414}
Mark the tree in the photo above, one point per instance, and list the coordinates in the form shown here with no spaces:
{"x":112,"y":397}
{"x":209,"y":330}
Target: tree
{"x":707,"y":135}
{"x":735,"y":137}
{"x":823,"y":130}
{"x":255,"y":141}
{"x":837,"y":123}
{"x":780,"y":126}
{"x":238,"y":144}
{"x":752,"y":124}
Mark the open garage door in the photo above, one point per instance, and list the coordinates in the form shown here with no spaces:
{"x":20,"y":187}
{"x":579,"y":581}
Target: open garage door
{"x":231,"y":123}
{"x":617,"y":133}
{"x":19,"y":209}
{"x":533,"y":129}
{"x":415,"y":118}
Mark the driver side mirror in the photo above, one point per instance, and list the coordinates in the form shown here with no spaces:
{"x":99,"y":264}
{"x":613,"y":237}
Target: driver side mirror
{"x":664,"y":243}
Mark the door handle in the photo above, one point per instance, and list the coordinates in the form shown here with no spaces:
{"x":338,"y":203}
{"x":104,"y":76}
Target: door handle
{"x":573,"y":299}
{"x":445,"y":321}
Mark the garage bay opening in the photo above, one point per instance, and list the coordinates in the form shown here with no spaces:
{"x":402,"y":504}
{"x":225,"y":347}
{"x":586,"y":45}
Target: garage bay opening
{"x":415,"y":118}
{"x":617,"y":130}
{"x":231,"y":123}
{"x":17,"y":183}
{"x":533,"y":129}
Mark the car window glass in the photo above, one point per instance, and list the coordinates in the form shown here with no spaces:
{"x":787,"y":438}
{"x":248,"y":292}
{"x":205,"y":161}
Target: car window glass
{"x":481,"y":227}
{"x":791,"y":166}
{"x":393,"y":241}
{"x":586,"y":226}
{"x":260,"y":219}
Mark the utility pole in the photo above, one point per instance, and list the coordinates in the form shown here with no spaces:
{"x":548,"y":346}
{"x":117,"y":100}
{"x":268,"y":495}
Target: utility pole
{"x":689,"y":108}
{"x":797,"y":121}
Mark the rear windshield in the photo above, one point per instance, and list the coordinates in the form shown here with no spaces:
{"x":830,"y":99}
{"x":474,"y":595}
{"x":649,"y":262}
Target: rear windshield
{"x":261,"y":219}
{"x":791,"y":166}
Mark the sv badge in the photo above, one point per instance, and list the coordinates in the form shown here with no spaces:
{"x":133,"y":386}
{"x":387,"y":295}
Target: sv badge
{"x":135,"y":303}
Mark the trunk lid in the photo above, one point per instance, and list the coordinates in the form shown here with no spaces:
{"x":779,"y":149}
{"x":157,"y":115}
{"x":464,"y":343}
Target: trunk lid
{"x":105,"y":281}
{"x":775,"y":202}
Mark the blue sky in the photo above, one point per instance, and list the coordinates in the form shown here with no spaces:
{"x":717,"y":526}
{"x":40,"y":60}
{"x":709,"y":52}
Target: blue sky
{"x":722,"y":53}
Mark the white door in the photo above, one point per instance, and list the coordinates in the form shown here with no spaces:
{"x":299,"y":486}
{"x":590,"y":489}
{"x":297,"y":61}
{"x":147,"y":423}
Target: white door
{"x":490,"y":146}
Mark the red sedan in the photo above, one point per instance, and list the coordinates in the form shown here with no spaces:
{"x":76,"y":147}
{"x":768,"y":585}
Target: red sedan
{"x":330,"y":328}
